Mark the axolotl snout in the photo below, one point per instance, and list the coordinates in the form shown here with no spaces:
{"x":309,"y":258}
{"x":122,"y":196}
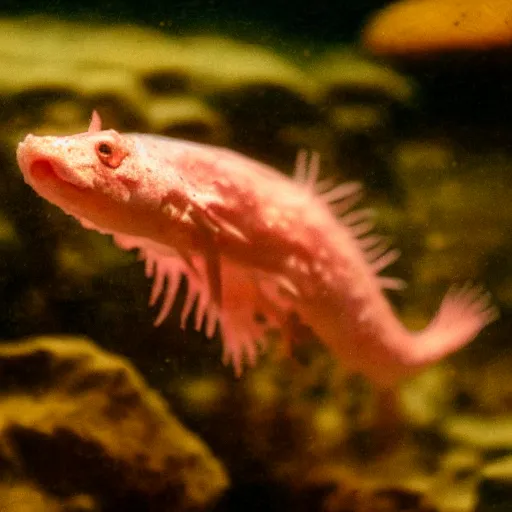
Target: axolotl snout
{"x":255,"y":246}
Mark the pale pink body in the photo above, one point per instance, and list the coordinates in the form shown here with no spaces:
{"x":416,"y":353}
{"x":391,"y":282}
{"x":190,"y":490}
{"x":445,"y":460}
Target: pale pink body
{"x":250,"y":240}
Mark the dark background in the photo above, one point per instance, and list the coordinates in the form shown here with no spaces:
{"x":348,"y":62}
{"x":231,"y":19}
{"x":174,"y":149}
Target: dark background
{"x":322,"y":20}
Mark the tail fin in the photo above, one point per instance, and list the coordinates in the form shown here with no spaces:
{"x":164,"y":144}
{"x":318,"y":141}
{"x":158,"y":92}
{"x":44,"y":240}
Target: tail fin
{"x":463,"y":313}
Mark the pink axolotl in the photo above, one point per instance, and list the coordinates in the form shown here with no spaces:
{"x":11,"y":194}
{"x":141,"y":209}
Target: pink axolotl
{"x":256,"y":246}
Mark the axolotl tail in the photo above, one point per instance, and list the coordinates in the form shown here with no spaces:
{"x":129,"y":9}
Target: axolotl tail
{"x":463,"y":313}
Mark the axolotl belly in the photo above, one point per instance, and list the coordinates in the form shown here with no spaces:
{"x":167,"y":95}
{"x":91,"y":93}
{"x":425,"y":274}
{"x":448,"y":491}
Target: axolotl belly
{"x":257,"y":247}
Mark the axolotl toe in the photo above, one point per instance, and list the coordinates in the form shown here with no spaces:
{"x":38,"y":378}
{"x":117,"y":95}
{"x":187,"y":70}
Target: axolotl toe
{"x":255,"y":246}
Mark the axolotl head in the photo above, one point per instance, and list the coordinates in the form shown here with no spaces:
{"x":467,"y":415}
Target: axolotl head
{"x":97,"y":176}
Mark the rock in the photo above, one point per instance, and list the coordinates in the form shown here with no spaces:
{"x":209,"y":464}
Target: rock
{"x":244,"y":67}
{"x":345,"y":76}
{"x":382,"y":500}
{"x":411,"y":27}
{"x":491,"y":433}
{"x":360,"y":99}
{"x":495,"y":489}
{"x":76,"y":420}
{"x":186,"y":117}
{"x":456,"y":481}
{"x":26,"y":497}
{"x":353,"y":494}
{"x":425,"y":399}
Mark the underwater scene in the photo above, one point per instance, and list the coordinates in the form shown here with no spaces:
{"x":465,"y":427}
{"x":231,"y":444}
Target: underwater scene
{"x":256,"y":256}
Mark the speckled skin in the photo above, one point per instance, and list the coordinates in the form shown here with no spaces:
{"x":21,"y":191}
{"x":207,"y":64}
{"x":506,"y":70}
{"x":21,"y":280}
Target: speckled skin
{"x":249,"y":240}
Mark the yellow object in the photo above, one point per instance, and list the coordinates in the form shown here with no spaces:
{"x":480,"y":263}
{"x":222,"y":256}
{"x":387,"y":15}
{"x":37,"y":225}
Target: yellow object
{"x":423,"y":26}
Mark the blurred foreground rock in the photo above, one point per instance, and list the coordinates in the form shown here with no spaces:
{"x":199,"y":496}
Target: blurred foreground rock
{"x":81,"y":431}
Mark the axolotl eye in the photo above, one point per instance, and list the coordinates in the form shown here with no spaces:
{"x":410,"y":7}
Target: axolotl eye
{"x":110,"y":154}
{"x":104,"y":149}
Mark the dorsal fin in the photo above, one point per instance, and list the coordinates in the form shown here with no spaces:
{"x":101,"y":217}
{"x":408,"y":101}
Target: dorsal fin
{"x":341,"y":199}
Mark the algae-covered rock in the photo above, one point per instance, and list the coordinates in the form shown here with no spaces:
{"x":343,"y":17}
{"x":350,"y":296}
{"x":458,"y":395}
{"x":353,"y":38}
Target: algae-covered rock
{"x":347,"y":75}
{"x":359,"y":92}
{"x":28,"y":498}
{"x":224,"y":64}
{"x":427,"y":398}
{"x":77,"y":420}
{"x":385,"y":500}
{"x":495,"y":489}
{"x":490,"y":434}
{"x":25,"y":497}
{"x":186,"y":117}
{"x":456,"y":480}
{"x":345,"y":491}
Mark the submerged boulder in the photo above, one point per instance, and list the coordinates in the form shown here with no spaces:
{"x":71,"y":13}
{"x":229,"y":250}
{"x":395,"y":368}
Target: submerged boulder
{"x":79,"y":421}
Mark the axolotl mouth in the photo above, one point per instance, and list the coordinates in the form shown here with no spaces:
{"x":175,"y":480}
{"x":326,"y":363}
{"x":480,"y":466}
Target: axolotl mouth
{"x":41,"y":170}
{"x":41,"y":162}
